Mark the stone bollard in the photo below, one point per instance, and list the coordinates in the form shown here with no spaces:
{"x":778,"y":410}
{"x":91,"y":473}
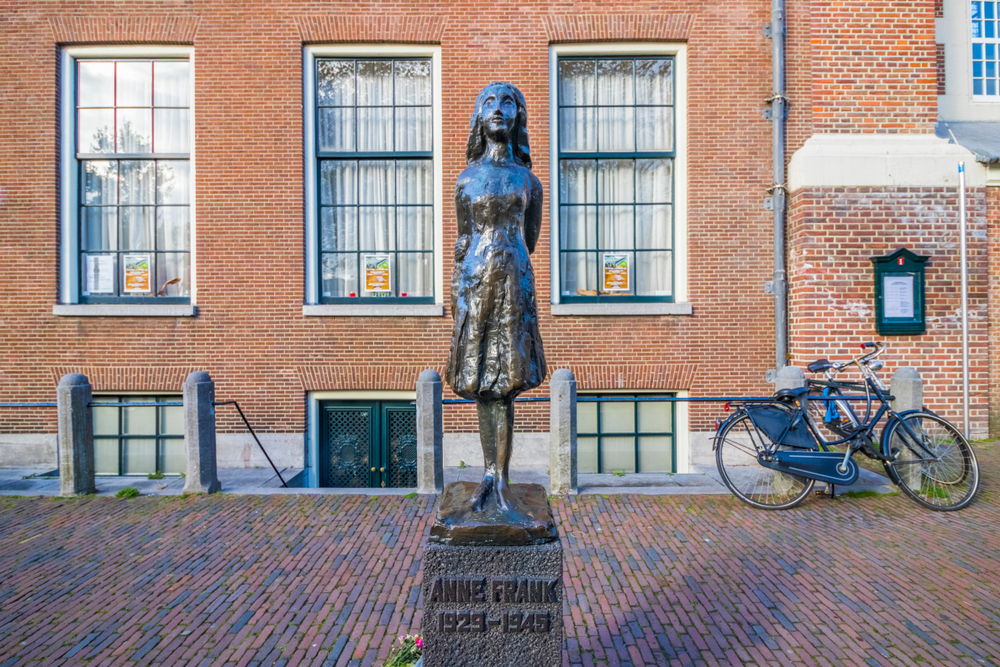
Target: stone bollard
{"x":790,"y":377}
{"x":907,"y":390}
{"x":199,"y":434}
{"x":430,"y":433}
{"x":562,"y":434}
{"x":76,"y":436}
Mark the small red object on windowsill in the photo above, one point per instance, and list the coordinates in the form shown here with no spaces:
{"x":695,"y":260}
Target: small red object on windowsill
{"x":403,"y":294}
{"x":353,"y":294}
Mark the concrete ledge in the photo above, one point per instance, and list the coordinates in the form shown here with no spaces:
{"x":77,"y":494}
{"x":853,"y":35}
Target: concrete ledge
{"x":123,"y":310}
{"x":374,"y":310}
{"x":621,"y":309}
{"x":881,"y":160}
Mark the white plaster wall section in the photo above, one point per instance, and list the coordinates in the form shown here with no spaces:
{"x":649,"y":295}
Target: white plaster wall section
{"x":27,"y":450}
{"x":531,"y":450}
{"x":238,"y":450}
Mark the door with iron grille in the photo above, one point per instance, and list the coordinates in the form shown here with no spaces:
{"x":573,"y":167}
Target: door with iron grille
{"x":368,"y":444}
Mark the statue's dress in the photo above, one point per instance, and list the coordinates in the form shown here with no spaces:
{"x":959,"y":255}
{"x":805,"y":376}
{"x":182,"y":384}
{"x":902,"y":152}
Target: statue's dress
{"x":496,"y":349}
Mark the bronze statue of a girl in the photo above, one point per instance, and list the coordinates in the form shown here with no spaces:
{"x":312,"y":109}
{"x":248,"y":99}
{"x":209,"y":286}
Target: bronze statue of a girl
{"x":496,"y":349}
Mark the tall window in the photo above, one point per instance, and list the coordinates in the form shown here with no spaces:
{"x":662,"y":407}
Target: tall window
{"x":374,"y":142}
{"x":985,"y":49}
{"x":133,"y":149}
{"x":616,"y":171}
{"x":138,"y":440}
{"x":625,"y":436}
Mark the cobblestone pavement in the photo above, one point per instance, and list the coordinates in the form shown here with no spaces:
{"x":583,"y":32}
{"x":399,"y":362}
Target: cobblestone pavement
{"x":651,"y":580}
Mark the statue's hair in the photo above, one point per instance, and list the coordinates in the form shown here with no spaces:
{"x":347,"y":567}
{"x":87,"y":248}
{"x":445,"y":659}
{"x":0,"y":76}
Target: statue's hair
{"x":476,"y":146}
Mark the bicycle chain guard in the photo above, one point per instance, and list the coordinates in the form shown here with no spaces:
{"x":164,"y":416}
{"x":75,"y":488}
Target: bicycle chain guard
{"x":820,"y":466}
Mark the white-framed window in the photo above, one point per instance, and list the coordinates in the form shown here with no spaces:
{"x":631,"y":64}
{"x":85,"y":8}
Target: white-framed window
{"x":969,"y":34}
{"x":127,"y":180}
{"x":619,"y":164}
{"x":985,"y":35}
{"x":373,"y":180}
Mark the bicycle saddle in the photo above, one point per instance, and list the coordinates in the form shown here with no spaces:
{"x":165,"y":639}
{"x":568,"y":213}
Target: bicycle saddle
{"x":819,"y":366}
{"x":790,"y":395}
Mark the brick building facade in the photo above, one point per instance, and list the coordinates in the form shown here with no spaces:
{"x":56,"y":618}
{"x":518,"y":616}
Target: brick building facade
{"x":258,"y":306}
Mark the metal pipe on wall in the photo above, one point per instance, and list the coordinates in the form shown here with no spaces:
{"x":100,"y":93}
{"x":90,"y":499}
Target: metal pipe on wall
{"x":778,"y":190}
{"x":964,"y":262}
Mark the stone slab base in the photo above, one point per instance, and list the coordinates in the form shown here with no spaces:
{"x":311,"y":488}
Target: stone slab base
{"x":496,"y":606}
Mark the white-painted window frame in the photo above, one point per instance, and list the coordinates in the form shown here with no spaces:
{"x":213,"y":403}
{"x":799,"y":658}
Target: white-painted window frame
{"x":680,"y":306}
{"x":69,"y":207}
{"x":954,"y":31}
{"x":311,"y":305}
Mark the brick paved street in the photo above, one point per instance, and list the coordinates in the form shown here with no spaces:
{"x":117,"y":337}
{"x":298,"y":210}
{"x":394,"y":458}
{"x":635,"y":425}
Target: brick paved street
{"x":330,"y":580}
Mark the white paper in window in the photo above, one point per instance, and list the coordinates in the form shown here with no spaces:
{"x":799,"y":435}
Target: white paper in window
{"x":100,"y":274}
{"x":897,"y":291}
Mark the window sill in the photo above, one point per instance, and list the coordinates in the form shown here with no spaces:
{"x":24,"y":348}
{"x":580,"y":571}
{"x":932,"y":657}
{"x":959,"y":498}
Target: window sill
{"x":621,"y":309}
{"x":123,"y":310}
{"x":374,"y":310}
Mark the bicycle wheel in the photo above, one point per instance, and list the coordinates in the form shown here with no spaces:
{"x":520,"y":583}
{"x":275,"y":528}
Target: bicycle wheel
{"x":736,"y":457}
{"x":940,"y":471}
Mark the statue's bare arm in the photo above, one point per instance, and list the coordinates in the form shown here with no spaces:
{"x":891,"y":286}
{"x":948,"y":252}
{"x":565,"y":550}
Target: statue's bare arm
{"x":533,"y":216}
{"x":464,"y":239}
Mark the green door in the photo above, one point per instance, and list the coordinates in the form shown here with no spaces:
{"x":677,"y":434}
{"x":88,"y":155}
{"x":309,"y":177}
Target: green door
{"x":369,"y":444}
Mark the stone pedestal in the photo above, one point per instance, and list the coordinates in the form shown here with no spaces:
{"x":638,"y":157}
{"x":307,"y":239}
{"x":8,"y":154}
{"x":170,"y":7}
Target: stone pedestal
{"x":492,"y":605}
{"x":562,"y":429}
{"x":430,"y":433}
{"x":199,"y":434}
{"x":76,"y":436}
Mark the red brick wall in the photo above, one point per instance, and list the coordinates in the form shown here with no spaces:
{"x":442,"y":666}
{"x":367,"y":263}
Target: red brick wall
{"x":833,"y":234}
{"x":874,"y":66}
{"x":250,"y":333}
{"x":993,"y":240}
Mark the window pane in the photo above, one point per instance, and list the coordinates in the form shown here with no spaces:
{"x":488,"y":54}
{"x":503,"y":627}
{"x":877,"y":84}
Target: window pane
{"x":336,"y":130}
{"x":579,"y":273}
{"x":413,"y":129}
{"x":138,"y":232}
{"x":376,"y":182}
{"x":586,"y":454}
{"x":578,"y":227}
{"x":576,"y":129}
{"x":335,"y":82}
{"x":413,"y":82}
{"x":171,"y":417}
{"x":655,"y":418}
{"x":135,"y":130}
{"x":616,"y":227}
{"x":338,"y":182}
{"x":616,"y":128}
{"x":172,"y":134}
{"x":415,"y":274}
{"x":173,"y":182}
{"x":655,"y":128}
{"x":173,"y":274}
{"x":414,"y":225}
{"x":577,"y":181}
{"x":100,"y":228}
{"x":656,"y":453}
{"x":172,"y":228}
{"x":618,"y":454}
{"x":140,"y":420}
{"x":414,"y":182}
{"x":375,"y":129}
{"x":377,"y":228}
{"x":172,"y":456}
{"x":100,"y":183}
{"x":137,"y":182}
{"x":340,"y":275}
{"x":374,"y":83}
{"x":654,"y":181}
{"x":615,"y":82}
{"x":654,"y":274}
{"x":338,"y":228}
{"x":135,"y":84}
{"x":577,"y":82}
{"x":138,"y":455}
{"x":105,"y":419}
{"x":172,"y":86}
{"x":615,"y":182}
{"x":586,"y":417}
{"x":106,"y":454}
{"x":97,"y":84}
{"x":617,"y":417}
{"x":653,"y":227}
{"x":96,"y":128}
{"x":654,"y":82}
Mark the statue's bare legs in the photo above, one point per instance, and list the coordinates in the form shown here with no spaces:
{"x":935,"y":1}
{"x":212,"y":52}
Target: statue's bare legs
{"x":496,"y":431}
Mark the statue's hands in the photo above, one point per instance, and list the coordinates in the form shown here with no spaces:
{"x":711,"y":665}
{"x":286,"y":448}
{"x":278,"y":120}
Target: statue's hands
{"x":461,"y":250}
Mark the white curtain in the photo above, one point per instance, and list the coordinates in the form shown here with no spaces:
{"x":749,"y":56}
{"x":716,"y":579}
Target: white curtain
{"x":414,"y":186}
{"x":616,"y":124}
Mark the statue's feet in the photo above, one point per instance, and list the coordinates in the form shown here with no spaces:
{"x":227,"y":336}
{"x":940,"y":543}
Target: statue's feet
{"x":504,"y":497}
{"x":482,"y":493}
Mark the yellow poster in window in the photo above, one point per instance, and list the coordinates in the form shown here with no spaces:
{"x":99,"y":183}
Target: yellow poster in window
{"x":137,"y":273}
{"x":377,"y":274}
{"x":615,"y":273}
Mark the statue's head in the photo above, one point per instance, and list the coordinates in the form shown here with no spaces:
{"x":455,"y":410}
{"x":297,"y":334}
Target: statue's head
{"x":500,"y":116}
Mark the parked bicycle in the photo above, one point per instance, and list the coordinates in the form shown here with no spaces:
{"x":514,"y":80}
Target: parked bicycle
{"x":770,"y":455}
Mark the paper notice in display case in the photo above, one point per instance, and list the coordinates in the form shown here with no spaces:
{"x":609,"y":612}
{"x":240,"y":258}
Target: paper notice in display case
{"x":137,"y":273}
{"x":616,"y":273}
{"x":100,"y":274}
{"x":378,"y":277}
{"x":898,"y":295}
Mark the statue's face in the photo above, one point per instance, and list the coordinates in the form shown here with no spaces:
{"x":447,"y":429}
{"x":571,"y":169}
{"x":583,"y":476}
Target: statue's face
{"x":498,"y":112}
